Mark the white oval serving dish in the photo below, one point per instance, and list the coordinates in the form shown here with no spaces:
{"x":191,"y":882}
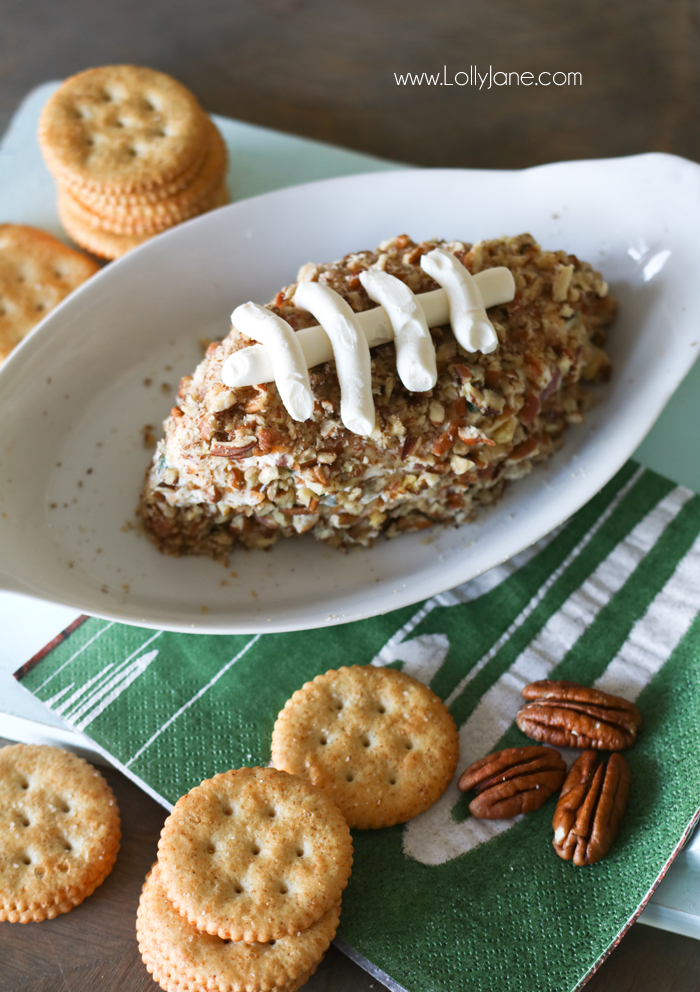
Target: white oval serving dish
{"x":74,"y":397}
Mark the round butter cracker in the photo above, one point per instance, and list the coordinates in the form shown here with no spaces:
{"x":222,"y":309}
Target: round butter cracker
{"x":122,"y":128}
{"x":149,"y":218}
{"x":379,"y":743}
{"x":186,"y":958}
{"x":37,"y":271}
{"x":112,"y":196}
{"x":59,"y":831}
{"x":254,"y":854}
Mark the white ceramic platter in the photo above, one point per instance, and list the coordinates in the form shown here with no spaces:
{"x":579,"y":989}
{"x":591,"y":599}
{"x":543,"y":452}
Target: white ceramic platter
{"x":74,"y":398}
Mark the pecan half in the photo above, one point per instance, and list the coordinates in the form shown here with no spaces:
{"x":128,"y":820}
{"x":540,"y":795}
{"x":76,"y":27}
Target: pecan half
{"x":590,"y":808}
{"x":570,"y":715}
{"x":517,"y":780}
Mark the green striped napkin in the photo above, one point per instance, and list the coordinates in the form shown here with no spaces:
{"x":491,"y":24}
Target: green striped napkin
{"x":445,"y":902}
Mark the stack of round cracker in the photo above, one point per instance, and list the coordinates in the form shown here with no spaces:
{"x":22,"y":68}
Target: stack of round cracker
{"x":245,"y":896}
{"x":132,"y":153}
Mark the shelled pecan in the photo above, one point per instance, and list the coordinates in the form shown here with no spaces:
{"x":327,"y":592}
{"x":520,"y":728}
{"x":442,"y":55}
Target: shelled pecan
{"x":590,"y":808}
{"x":516,"y":780}
{"x":566,"y":714}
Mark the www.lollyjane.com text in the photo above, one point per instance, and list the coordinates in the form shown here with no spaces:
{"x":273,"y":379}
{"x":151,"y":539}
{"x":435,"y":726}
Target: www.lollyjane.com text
{"x":486,"y":80}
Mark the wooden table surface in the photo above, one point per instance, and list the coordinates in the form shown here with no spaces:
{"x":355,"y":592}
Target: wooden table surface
{"x":325,"y":69}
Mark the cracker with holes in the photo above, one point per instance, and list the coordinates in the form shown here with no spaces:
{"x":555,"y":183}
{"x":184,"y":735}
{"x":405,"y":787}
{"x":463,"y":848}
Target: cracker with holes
{"x":122,"y":128}
{"x":132,"y":153}
{"x":254,"y":854}
{"x":36,"y":273}
{"x":177,"y":954}
{"x":59,"y":832}
{"x":381,"y":744}
{"x":149,"y":218}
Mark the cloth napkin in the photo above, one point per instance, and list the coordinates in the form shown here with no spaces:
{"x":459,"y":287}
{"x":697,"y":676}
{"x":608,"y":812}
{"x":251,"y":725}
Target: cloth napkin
{"x":446,"y":902}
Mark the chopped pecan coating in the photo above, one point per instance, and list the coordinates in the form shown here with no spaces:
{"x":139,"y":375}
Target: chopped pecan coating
{"x":436,"y":457}
{"x":590,"y":808}
{"x":516,"y":780}
{"x":566,"y":714}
